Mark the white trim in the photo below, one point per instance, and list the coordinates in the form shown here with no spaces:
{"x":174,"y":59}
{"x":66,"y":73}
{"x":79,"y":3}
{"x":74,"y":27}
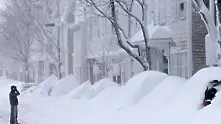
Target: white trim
{"x":189,"y":41}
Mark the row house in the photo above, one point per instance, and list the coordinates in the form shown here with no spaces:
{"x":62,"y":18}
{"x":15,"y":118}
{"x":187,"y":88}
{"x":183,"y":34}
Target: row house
{"x":90,"y":46}
{"x":177,"y":40}
{"x":183,"y":39}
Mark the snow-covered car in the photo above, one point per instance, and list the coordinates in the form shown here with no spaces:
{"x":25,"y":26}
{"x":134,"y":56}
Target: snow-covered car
{"x":211,"y":90}
{"x":27,"y":86}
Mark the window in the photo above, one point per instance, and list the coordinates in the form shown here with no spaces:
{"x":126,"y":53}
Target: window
{"x":162,"y":12}
{"x":154,"y":17}
{"x":173,"y":9}
{"x":114,"y":79}
{"x":119,"y":79}
{"x":90,"y":28}
{"x":165,"y":60}
{"x":165,"y":71}
{"x":182,"y":10}
{"x":52,"y":69}
{"x":182,"y":6}
{"x":177,"y":65}
{"x":98,"y":27}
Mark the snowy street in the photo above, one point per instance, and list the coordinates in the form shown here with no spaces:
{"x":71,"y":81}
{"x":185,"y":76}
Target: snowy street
{"x":110,"y":61}
{"x":149,"y":97}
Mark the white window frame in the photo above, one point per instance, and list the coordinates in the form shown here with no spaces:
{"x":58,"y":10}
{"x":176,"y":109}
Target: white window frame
{"x":182,"y":13}
{"x":173,"y":10}
{"x":162,"y":12}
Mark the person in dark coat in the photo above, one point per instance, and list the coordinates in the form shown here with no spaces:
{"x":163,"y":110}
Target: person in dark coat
{"x":13,"y":98}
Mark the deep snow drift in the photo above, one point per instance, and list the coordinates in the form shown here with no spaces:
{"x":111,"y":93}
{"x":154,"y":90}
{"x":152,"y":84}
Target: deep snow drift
{"x":64,"y":86}
{"x":149,"y":97}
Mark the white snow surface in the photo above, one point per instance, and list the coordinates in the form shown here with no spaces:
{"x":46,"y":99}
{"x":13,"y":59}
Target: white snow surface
{"x":98,"y":87}
{"x":79,"y":91}
{"x":44,"y":87}
{"x":149,"y":97}
{"x":154,"y":31}
{"x":64,"y":86}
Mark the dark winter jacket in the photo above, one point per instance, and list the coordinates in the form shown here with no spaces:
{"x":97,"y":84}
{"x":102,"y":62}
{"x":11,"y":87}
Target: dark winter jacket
{"x":13,"y":96}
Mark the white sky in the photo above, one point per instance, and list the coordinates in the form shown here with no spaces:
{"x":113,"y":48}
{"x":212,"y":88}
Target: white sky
{"x":2,"y":3}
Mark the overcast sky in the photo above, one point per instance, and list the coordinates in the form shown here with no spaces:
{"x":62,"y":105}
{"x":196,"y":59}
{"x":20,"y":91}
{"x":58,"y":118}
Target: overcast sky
{"x":2,"y":3}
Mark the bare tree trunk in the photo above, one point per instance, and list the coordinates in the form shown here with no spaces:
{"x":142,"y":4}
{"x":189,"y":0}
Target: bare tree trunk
{"x":148,"y":55}
{"x":120,"y":41}
{"x":26,"y":71}
{"x":129,"y":19}
{"x":59,"y":55}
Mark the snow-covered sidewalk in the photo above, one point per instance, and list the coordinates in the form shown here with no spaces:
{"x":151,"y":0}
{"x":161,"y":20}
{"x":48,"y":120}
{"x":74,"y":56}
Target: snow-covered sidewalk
{"x":149,"y":97}
{"x":4,"y":118}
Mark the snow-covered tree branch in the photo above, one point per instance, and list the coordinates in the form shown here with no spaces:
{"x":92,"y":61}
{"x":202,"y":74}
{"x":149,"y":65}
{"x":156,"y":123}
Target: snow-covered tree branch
{"x":110,"y":14}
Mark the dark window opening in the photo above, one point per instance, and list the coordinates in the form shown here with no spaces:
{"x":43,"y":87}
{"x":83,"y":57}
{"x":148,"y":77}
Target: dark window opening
{"x":114,"y":79}
{"x":182,"y":6}
{"x":117,"y":79}
{"x":165,"y":60}
{"x":165,"y":71}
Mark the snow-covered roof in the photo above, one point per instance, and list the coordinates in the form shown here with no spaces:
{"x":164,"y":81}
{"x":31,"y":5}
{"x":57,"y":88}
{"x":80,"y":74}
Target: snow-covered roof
{"x":38,"y":57}
{"x":106,"y":54}
{"x":154,"y":31}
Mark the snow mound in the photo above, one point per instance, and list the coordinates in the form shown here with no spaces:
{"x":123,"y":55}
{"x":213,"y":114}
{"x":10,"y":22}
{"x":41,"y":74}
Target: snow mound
{"x":140,"y":85}
{"x":47,"y":84}
{"x":188,"y":99}
{"x":107,"y":95}
{"x":163,"y":93}
{"x":64,"y":86}
{"x":78,"y":92}
{"x":152,"y":103}
{"x":42,"y":89}
{"x":99,"y":86}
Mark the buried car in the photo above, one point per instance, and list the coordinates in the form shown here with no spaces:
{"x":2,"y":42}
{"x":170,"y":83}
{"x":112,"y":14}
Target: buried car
{"x":211,"y":90}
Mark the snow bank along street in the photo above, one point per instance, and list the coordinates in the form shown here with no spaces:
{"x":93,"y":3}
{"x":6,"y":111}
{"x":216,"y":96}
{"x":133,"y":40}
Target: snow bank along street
{"x":148,"y":98}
